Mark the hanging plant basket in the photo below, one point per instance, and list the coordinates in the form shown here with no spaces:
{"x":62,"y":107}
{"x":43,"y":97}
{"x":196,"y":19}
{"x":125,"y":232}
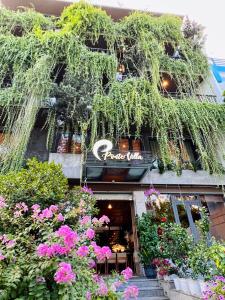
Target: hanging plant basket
{"x":152,"y":196}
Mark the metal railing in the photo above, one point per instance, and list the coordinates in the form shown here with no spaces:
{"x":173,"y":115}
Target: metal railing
{"x":199,"y":97}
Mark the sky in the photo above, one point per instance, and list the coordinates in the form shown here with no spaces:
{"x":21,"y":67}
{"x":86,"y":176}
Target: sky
{"x":209,"y":13}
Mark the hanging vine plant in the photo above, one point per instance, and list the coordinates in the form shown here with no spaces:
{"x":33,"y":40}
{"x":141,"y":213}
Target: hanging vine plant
{"x":58,"y":58}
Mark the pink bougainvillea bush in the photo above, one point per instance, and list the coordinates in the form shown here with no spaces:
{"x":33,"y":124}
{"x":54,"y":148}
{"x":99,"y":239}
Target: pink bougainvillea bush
{"x":50,"y":252}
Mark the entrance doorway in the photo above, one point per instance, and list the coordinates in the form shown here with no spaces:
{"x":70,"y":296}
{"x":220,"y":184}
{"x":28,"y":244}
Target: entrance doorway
{"x":118,"y":235}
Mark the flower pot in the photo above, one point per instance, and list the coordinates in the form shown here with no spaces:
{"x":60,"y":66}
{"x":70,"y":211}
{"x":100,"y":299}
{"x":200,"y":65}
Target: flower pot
{"x":202,"y":285}
{"x":150,"y":272}
{"x":184,"y":285}
{"x":166,"y":278}
{"x":177,"y":283}
{"x":194,"y":287}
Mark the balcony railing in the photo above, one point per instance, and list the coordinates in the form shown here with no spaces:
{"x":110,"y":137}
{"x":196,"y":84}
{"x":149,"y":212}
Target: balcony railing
{"x":199,"y":97}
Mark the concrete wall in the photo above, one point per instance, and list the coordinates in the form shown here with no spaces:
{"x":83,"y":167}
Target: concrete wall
{"x":187,"y":177}
{"x":139,"y":202}
{"x":71,"y":163}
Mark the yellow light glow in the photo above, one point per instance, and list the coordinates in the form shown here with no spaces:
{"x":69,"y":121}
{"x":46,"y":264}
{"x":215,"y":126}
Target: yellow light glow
{"x":110,"y":206}
{"x":165,"y":83}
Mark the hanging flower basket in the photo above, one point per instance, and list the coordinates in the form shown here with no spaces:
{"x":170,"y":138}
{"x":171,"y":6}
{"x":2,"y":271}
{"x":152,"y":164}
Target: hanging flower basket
{"x":151,"y":196}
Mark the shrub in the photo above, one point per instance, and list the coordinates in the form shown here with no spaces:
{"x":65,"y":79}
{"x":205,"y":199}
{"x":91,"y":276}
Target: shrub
{"x":148,"y":238}
{"x":175,"y":242}
{"x":42,"y":183}
{"x":42,"y":257}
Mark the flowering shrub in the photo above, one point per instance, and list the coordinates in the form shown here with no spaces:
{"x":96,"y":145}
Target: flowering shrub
{"x":50,"y":253}
{"x":215,"y":289}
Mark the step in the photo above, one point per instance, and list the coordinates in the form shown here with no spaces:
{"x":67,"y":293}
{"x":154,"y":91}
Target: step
{"x":146,"y":291}
{"x":151,"y":292}
{"x":152,"y":298}
{"x":144,"y":282}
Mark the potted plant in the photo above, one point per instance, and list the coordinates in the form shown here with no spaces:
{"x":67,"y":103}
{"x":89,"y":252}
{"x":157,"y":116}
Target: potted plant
{"x":152,"y":196}
{"x":148,"y":240}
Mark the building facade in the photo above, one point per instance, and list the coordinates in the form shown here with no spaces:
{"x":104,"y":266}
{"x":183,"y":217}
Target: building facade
{"x":120,"y":167}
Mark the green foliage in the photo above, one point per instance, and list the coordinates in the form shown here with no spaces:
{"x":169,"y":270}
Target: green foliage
{"x":39,"y":182}
{"x":22,"y":22}
{"x":200,"y":262}
{"x":175,"y":242}
{"x":217,"y":255}
{"x":24,"y":274}
{"x":87,"y":22}
{"x":30,"y":64}
{"x":148,"y":238}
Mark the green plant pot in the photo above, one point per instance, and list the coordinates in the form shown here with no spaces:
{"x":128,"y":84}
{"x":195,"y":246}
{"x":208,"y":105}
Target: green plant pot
{"x":150,"y":271}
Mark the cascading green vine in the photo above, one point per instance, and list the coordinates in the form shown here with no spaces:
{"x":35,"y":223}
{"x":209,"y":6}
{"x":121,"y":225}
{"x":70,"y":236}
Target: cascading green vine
{"x":44,"y":57}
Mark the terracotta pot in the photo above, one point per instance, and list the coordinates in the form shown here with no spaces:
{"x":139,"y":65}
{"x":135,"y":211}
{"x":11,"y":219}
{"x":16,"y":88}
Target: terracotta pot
{"x":136,"y":145}
{"x":63,"y":146}
{"x":123,"y":145}
{"x":76,"y":144}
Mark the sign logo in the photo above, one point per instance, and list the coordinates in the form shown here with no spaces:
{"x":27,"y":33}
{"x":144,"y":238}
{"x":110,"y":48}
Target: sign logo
{"x":105,"y":148}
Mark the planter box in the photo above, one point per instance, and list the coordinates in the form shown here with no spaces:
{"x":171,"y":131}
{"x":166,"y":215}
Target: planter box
{"x":177,"y":295}
{"x":167,"y":286}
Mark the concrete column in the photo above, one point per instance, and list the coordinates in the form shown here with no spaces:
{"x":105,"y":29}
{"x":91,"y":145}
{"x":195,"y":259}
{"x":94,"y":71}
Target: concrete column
{"x":139,"y":209}
{"x":139,"y":202}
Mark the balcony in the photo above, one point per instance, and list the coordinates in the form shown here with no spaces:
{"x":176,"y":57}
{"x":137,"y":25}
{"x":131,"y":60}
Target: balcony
{"x":199,"y":97}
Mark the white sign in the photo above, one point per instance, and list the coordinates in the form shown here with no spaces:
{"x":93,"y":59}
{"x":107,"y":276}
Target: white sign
{"x":105,"y":147}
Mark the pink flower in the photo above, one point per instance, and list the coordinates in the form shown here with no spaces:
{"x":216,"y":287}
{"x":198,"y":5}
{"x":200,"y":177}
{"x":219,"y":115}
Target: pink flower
{"x":20,"y":208}
{"x":17,"y":214}
{"x":70,"y":237}
{"x":91,"y":264}
{"x":10,"y":244}
{"x":54,"y":208}
{"x":95,"y":221}
{"x":88,"y":295}
{"x":43,"y":250}
{"x":115,"y":285}
{"x":151,"y":191}
{"x":46,"y":214}
{"x":85,"y":189}
{"x":104,"y":219}
{"x":102,"y":253}
{"x":127,"y":273}
{"x":82,"y":251}
{"x":103,"y":289}
{"x":90,"y":233}
{"x":85,"y":220}
{"x":64,"y":274}
{"x":57,"y":249}
{"x":36,"y":208}
{"x":2,"y":202}
{"x":60,"y":218}
{"x":130,"y":292}
{"x":2,"y":257}
{"x":106,"y":252}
